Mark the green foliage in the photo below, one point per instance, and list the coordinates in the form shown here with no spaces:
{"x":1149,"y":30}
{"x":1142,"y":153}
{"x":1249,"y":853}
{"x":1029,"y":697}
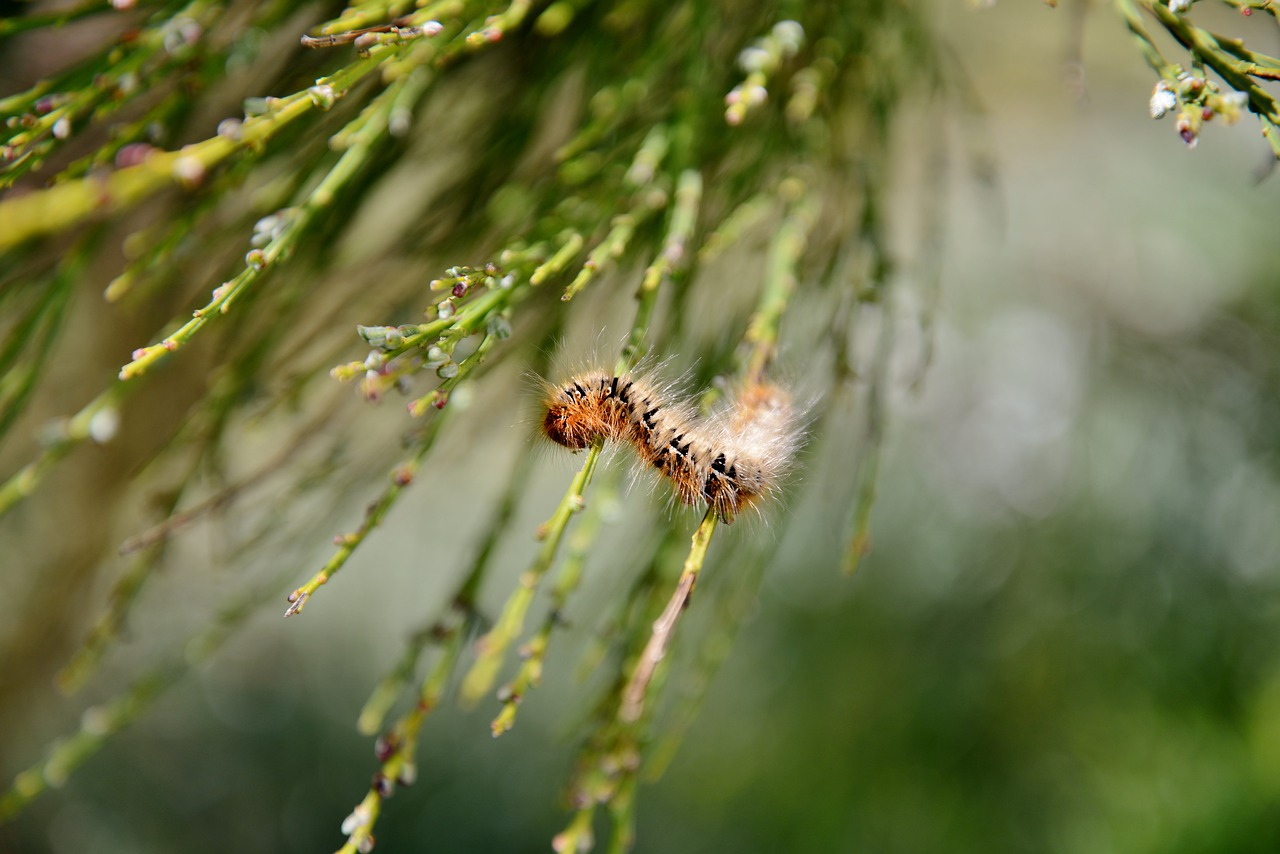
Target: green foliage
{"x":567,"y":149}
{"x":425,"y":202}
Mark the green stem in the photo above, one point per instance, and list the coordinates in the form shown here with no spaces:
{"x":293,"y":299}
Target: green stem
{"x":615,"y":243}
{"x":492,"y":647}
{"x":401,"y":476}
{"x":788,"y":247}
{"x":371,"y":127}
{"x":671,"y":260}
{"x":64,"y":205}
{"x":637,"y":687}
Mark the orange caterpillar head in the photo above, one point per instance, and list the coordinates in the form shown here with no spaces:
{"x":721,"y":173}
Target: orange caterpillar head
{"x":565,"y":425}
{"x":576,"y":414}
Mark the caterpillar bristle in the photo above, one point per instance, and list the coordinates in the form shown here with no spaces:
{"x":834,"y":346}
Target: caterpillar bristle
{"x":729,"y":462}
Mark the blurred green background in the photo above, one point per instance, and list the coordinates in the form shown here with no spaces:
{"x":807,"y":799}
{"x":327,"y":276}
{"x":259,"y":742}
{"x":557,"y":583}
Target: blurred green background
{"x":1064,"y":639}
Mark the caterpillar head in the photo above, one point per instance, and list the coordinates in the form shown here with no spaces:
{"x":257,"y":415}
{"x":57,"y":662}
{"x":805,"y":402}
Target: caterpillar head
{"x":565,"y":424}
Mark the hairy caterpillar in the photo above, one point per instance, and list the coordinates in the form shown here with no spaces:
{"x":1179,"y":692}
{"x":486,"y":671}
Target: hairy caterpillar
{"x":729,"y":461}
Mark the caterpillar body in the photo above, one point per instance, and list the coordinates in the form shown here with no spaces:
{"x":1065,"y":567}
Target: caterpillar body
{"x":729,"y":461}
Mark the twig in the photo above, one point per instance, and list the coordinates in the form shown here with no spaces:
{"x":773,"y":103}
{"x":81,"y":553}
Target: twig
{"x":401,"y":476}
{"x":633,"y":695}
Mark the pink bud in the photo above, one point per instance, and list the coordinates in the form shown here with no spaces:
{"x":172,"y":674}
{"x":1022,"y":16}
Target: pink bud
{"x":133,"y":154}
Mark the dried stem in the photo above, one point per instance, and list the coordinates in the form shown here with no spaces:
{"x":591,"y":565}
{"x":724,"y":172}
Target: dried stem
{"x":633,"y":695}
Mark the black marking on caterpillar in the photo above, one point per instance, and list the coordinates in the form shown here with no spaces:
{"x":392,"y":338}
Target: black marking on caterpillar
{"x":730,"y":461}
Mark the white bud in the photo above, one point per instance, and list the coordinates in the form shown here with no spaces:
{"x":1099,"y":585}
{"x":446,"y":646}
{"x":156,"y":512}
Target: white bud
{"x":322,"y":95}
{"x":104,"y":425}
{"x":753,"y":59}
{"x":230,"y":129}
{"x":1162,"y":100}
{"x":96,"y":721}
{"x":188,"y":170}
{"x":790,"y":36}
{"x":1236,"y":99}
{"x":359,"y":818}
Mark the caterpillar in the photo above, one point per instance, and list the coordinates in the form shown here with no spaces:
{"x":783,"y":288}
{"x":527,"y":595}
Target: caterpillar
{"x":729,"y":461}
